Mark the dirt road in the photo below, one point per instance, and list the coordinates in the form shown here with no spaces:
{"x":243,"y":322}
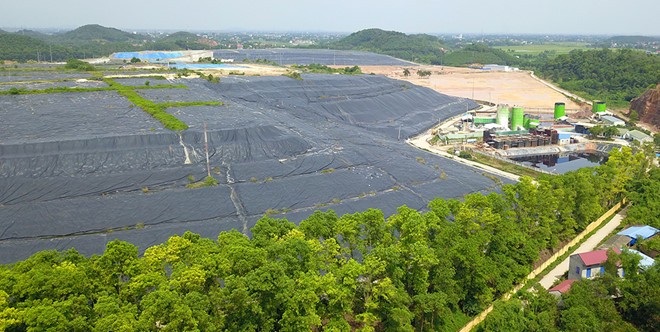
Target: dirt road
{"x":421,"y":142}
{"x":588,"y":245}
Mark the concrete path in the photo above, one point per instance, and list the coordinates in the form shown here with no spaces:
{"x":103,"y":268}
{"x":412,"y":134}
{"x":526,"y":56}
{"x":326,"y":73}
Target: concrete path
{"x":588,"y":245}
{"x":421,"y":142}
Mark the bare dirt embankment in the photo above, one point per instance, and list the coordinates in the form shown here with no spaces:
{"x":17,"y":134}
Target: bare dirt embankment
{"x":513,"y":88}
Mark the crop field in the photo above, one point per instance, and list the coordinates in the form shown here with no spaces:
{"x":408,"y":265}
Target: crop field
{"x":79,"y":168}
{"x":536,"y":49}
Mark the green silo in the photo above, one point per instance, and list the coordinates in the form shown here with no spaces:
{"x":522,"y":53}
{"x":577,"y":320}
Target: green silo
{"x":517,"y":117}
{"x":526,"y":120}
{"x":533,"y":123}
{"x":560,"y":110}
{"x":598,"y":106}
{"x":503,"y":117}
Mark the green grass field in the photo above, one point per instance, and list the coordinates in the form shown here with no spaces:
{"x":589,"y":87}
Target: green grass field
{"x":535,"y":49}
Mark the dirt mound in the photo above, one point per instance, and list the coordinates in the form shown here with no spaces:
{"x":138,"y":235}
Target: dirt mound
{"x":648,"y":106}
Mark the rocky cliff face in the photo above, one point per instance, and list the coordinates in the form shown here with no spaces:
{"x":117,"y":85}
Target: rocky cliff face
{"x":648,"y":106}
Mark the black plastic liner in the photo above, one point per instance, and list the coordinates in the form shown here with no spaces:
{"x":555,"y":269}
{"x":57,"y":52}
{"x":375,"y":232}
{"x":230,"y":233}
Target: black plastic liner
{"x":80,"y":169}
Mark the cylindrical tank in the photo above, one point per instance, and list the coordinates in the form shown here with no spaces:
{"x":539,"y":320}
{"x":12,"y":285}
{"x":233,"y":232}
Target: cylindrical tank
{"x":598,"y":106}
{"x":517,"y":115}
{"x":533,"y":123}
{"x":503,"y":117}
{"x":526,"y":122}
{"x":560,"y":110}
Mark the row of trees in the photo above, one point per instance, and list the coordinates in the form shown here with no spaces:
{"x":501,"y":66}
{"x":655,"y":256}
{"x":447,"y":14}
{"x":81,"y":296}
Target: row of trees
{"x":410,"y":272}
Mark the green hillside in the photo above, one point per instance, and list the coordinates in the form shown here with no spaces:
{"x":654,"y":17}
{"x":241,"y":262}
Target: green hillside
{"x":23,"y":48}
{"x":180,"y":35}
{"x":33,"y":34}
{"x":419,"y":48}
{"x":95,"y":32}
{"x":614,"y":76}
{"x":477,"y":53}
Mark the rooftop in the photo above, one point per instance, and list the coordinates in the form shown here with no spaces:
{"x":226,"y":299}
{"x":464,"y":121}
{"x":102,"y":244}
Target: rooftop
{"x":638,"y":135}
{"x":634,"y":231}
{"x":616,"y":241}
{"x":596,"y":257}
{"x":563,"y":287}
{"x":645,"y":262}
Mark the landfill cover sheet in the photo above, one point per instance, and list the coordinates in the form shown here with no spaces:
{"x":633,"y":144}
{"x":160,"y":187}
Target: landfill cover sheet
{"x":78,"y":170}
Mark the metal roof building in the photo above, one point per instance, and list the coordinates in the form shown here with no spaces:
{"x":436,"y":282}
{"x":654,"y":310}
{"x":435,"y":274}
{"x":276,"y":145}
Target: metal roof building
{"x":645,"y":262}
{"x":636,"y":135}
{"x":634,"y":232}
{"x":613,"y":121}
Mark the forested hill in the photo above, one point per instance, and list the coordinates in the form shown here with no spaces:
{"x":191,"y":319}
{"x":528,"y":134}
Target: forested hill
{"x":95,"y":32}
{"x":478,"y":54}
{"x":419,"y":48}
{"x":614,"y":76}
{"x":410,"y":272}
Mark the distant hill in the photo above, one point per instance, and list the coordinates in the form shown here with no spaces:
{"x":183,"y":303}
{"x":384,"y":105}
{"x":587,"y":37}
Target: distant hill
{"x":182,"y":41}
{"x":95,"y":32}
{"x":180,"y":35}
{"x":33,"y":34}
{"x":478,"y":54}
{"x":418,"y":48}
{"x":632,"y":39}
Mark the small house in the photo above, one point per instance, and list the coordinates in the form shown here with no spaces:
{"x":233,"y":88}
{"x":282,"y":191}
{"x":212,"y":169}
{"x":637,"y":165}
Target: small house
{"x":589,"y":265}
{"x":562,"y":288}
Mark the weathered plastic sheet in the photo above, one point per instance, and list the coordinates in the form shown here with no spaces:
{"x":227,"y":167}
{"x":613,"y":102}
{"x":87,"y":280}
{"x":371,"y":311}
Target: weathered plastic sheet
{"x":80,"y":169}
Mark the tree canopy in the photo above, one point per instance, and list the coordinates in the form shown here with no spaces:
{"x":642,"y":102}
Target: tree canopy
{"x":614,"y":76}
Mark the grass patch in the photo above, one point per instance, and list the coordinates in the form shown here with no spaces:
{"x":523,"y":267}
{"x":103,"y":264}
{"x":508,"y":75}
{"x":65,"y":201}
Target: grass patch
{"x":536,"y":49}
{"x":328,"y":171}
{"x":505,"y":166}
{"x":208,"y":181}
{"x":322,"y":69}
{"x":271,"y":212}
{"x":421,"y":160}
{"x":190,"y":103}
{"x":294,"y":75}
{"x":335,"y":201}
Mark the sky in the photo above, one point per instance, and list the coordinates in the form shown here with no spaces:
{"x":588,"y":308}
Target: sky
{"x":584,"y":17}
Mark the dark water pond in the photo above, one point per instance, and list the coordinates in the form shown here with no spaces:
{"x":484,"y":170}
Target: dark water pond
{"x":563,"y":163}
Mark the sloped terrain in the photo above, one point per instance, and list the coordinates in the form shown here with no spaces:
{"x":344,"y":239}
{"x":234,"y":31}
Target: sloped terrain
{"x":80,"y":169}
{"x":648,"y":106}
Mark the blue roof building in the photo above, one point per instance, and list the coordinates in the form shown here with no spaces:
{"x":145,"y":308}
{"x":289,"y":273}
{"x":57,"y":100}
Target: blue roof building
{"x":634,"y":232}
{"x":645,"y":262}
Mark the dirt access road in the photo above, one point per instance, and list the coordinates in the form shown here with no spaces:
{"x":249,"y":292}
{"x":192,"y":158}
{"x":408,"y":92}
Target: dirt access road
{"x":588,"y":245}
{"x":512,"y":88}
